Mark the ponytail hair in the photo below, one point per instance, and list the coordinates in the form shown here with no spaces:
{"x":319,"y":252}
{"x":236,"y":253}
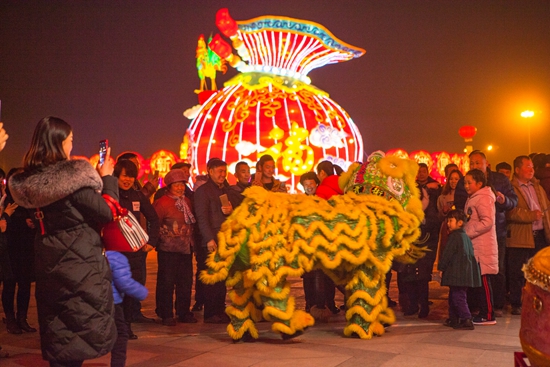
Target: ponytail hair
{"x":329,"y":168}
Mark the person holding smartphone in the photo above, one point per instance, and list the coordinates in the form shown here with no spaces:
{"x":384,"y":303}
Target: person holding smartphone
{"x":211,"y":212}
{"x":74,"y":297}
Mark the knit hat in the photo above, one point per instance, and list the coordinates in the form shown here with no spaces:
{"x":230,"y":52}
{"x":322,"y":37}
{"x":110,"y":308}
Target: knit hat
{"x":175,"y":175}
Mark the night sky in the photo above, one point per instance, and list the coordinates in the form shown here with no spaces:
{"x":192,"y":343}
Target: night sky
{"x":125,"y":70}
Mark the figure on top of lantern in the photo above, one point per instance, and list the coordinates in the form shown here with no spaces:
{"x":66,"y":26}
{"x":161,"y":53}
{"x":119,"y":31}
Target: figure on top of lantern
{"x":270,"y":107}
{"x":208,"y":62}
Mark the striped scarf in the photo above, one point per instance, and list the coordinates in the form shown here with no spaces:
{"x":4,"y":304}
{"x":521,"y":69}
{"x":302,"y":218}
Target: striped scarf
{"x":182,"y":206}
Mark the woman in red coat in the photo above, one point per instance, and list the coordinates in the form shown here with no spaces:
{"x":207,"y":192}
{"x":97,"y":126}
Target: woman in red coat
{"x":328,"y":174}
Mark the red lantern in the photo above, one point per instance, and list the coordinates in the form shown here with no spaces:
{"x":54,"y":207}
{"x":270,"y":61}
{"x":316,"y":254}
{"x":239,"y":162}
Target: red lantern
{"x":225,"y":23}
{"x":467,"y":132}
{"x":220,"y":47}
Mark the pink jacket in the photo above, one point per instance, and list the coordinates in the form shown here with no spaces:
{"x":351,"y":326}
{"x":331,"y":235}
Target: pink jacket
{"x":480,"y":207}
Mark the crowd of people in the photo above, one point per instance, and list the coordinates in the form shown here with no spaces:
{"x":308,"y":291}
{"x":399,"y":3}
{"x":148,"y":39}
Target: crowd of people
{"x":480,"y":227}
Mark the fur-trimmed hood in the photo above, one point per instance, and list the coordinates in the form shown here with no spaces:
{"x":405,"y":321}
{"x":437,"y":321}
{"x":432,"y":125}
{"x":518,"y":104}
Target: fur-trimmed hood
{"x":35,"y":189}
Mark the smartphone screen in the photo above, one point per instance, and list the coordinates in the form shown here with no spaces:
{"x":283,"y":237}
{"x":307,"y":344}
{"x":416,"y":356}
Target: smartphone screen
{"x":103,"y":144}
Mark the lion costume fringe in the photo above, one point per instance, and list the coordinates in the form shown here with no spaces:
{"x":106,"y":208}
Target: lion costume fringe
{"x":353,"y":238}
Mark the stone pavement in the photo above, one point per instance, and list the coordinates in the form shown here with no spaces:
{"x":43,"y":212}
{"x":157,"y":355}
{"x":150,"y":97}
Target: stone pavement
{"x":409,"y":342}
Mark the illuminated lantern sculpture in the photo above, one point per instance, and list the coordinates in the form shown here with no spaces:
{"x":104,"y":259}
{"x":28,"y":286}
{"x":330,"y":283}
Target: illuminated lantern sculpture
{"x":421,"y":156}
{"x":440,"y":159}
{"x":161,"y":161}
{"x":462,"y":161}
{"x":398,"y":152}
{"x":270,"y":107}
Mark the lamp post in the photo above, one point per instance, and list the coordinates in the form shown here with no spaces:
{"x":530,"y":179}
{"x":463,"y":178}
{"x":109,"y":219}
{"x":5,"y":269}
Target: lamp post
{"x":527,"y":114}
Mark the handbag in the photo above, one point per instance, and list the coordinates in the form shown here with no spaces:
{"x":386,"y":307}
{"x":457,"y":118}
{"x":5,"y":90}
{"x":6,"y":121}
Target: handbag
{"x":124,"y":233}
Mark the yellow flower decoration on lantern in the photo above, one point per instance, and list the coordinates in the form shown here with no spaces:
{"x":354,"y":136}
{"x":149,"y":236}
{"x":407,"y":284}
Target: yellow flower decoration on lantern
{"x":293,"y":156}
{"x":276,"y":133}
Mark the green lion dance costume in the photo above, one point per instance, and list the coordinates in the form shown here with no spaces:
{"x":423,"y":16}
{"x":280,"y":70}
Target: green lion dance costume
{"x":353,"y":238}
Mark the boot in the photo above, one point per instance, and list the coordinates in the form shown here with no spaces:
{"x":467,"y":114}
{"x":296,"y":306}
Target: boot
{"x":451,"y":322}
{"x":24,"y":325}
{"x":131,"y":335}
{"x":11,"y":325}
{"x":464,"y":324}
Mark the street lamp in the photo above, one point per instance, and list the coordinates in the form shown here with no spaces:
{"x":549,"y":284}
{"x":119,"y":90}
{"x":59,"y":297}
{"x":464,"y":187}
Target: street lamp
{"x":527,"y":115}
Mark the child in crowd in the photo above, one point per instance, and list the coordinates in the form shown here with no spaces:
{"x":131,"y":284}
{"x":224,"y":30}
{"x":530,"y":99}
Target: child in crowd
{"x":480,"y":208}
{"x":122,"y":284}
{"x":460,"y":271}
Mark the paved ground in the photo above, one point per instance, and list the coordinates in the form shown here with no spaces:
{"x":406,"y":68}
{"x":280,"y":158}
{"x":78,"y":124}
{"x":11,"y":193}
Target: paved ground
{"x":409,"y":342}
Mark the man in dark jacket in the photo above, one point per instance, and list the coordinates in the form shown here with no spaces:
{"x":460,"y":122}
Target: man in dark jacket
{"x":214,"y":201}
{"x":542,"y":173}
{"x":506,"y":200}
{"x":416,"y":277}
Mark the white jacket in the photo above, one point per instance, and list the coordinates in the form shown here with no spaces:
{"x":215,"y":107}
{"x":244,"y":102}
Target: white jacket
{"x":480,"y":207}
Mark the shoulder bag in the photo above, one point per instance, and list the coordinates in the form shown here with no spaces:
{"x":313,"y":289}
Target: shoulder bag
{"x":124,"y":233}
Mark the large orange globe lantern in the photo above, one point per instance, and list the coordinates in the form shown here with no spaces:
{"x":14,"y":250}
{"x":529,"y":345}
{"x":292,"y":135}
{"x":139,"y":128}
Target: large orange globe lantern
{"x":271,"y":107}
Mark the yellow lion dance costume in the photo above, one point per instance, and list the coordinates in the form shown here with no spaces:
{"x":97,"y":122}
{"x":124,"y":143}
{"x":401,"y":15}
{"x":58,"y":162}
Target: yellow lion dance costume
{"x":353,"y":238}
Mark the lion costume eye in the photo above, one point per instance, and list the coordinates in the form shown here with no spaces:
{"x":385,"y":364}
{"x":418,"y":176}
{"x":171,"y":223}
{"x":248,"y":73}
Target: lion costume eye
{"x":396,"y":185}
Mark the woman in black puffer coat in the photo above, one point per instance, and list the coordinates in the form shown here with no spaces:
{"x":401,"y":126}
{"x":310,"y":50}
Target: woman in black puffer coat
{"x":73,"y":281}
